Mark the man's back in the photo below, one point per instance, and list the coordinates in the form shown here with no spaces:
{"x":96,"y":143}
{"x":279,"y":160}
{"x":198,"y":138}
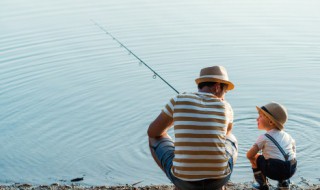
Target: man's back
{"x":200,"y":126}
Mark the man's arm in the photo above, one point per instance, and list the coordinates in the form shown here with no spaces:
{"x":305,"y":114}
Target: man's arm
{"x":229,"y":117}
{"x":229,"y":129}
{"x":159,"y":127}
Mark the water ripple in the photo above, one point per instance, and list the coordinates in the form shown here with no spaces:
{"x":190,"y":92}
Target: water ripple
{"x":74,"y":103}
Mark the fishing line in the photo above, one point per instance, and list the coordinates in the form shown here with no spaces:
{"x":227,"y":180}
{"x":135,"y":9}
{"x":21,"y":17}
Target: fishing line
{"x":131,"y":53}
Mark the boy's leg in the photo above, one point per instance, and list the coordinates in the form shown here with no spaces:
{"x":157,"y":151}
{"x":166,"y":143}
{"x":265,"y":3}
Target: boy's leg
{"x":284,"y":185}
{"x":260,"y":179}
{"x":284,"y":171}
{"x":259,"y":173}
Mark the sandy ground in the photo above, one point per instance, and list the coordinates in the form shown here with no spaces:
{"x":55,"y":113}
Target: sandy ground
{"x":229,"y":186}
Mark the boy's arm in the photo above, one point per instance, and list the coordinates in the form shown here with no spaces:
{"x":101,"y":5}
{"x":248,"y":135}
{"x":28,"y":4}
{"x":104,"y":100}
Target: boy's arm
{"x":252,"y":155}
{"x":253,"y":151}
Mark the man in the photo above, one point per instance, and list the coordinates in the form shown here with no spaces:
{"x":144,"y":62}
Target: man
{"x":204,"y":150}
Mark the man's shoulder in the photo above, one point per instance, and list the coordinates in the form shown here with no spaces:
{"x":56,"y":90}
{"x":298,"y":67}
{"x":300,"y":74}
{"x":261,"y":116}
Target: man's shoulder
{"x":202,"y":97}
{"x":227,"y":104}
{"x":191,"y":95}
{"x":187,"y":94}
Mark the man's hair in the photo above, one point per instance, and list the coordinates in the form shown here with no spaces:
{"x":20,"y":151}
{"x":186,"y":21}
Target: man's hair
{"x":209,"y":84}
{"x":203,"y":84}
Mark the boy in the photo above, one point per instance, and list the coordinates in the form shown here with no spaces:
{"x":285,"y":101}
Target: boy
{"x":273,"y":163}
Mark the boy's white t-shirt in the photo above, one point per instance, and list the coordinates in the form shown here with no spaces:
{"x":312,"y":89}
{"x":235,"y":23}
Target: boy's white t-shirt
{"x":270,"y":150}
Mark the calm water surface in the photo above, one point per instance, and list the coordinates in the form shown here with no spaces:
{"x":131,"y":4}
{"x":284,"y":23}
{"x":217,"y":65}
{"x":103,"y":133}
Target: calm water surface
{"x":75,"y":104}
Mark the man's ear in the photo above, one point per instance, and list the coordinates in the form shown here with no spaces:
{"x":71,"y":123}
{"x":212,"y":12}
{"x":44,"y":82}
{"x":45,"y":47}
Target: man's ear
{"x":217,"y":86}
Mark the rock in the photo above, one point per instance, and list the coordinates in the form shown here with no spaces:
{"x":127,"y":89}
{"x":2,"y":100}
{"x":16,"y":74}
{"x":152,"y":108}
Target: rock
{"x":77,"y":179}
{"x":24,"y":186}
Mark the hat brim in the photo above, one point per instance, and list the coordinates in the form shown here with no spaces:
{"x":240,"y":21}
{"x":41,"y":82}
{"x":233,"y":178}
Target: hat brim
{"x":278,"y":124}
{"x":230,"y":84}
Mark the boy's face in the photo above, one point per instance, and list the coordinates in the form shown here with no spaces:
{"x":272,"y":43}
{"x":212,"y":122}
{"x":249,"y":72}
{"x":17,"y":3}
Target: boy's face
{"x":263,"y":122}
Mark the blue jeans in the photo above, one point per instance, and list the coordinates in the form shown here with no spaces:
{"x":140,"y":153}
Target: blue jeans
{"x":164,"y":152}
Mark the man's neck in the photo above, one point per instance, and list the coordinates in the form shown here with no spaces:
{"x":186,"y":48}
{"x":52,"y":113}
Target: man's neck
{"x":206,"y":90}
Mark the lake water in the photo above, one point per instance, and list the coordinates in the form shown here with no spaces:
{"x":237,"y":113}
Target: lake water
{"x":75,"y":104}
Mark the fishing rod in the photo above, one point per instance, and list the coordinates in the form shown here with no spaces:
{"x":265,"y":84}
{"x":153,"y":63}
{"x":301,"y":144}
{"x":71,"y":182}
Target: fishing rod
{"x":130,"y":52}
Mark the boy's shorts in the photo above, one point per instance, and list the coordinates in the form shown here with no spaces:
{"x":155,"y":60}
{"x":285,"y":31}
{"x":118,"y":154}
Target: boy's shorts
{"x":276,"y":169}
{"x":164,"y":151}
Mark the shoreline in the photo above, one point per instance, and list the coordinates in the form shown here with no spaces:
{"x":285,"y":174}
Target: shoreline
{"x":230,"y":186}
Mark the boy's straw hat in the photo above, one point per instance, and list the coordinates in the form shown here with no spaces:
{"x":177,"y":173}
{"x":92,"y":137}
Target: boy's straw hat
{"x":276,"y":112}
{"x":215,"y":74}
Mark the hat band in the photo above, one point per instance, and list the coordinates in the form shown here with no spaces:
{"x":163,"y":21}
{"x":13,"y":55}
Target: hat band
{"x":215,"y":76}
{"x":265,"y":109}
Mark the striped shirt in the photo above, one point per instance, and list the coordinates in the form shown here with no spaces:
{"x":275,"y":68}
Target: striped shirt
{"x":200,"y":126}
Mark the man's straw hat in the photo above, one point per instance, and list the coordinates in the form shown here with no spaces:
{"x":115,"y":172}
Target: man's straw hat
{"x":215,"y":74}
{"x":276,"y":112}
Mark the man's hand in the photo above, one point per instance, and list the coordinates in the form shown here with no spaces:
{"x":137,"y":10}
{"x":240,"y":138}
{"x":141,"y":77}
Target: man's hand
{"x":229,"y":129}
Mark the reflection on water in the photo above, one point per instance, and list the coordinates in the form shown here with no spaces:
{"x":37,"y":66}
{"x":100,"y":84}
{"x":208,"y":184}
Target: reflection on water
{"x":75,"y":104}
